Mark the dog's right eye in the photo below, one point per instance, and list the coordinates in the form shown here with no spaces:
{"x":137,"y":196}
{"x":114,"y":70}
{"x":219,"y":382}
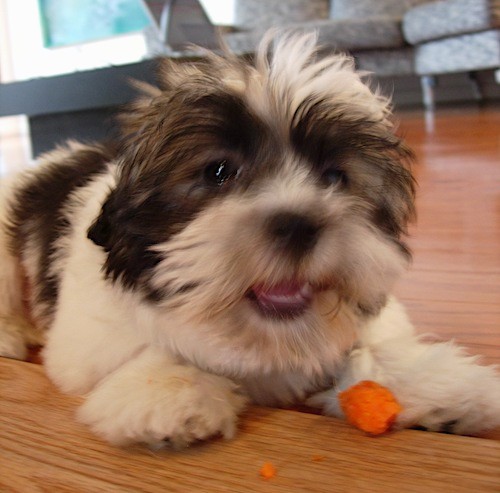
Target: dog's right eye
{"x":334,"y":176}
{"x":219,"y":172}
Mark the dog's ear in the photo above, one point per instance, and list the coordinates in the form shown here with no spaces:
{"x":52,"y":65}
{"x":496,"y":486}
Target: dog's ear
{"x":101,"y":230}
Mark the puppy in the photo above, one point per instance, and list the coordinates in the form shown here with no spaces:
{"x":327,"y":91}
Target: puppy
{"x":239,"y":243}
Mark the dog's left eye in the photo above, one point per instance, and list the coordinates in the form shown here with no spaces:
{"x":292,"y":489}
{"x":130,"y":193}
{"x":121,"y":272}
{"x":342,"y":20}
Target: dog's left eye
{"x":220,"y":172}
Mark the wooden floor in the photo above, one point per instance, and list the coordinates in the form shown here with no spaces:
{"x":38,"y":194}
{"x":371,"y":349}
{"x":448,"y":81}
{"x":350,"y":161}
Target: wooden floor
{"x":453,"y":287}
{"x":43,"y":449}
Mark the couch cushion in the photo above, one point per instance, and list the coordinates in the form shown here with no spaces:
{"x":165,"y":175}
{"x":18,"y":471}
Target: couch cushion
{"x":478,"y":51}
{"x":450,"y":18}
{"x":342,"y":34}
{"x":354,"y":9}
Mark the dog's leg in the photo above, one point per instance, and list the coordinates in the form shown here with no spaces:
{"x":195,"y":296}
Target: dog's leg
{"x":154,"y":400}
{"x":439,"y":387}
{"x":14,"y":329}
{"x":12,"y":325}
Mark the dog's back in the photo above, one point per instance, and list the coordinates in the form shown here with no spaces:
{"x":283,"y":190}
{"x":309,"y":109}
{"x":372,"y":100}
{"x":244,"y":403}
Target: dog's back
{"x":33,"y":209}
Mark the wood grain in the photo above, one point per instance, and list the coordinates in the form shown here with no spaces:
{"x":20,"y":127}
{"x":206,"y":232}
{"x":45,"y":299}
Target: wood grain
{"x":42,"y":449}
{"x":453,"y":287}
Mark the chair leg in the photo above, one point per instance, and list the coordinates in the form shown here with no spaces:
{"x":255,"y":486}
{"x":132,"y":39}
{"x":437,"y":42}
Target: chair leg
{"x":477,"y":93}
{"x":428,"y":83}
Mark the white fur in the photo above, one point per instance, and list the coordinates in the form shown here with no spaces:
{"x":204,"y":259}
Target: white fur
{"x":151,"y":399}
{"x":436,"y":383}
{"x":182,"y":369}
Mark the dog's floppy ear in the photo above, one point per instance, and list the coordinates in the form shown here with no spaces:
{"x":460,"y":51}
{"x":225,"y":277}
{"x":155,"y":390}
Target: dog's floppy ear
{"x":101,"y":230}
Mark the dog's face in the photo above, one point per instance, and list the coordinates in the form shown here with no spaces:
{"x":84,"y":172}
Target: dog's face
{"x":260,"y":207}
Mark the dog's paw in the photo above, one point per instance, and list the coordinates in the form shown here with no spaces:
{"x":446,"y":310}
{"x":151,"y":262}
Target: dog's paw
{"x":176,"y":407}
{"x":466,"y":414}
{"x":450,"y":393}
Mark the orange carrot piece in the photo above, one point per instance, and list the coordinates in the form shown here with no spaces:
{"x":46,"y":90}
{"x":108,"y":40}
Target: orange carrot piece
{"x":369,"y":407}
{"x":268,"y":471}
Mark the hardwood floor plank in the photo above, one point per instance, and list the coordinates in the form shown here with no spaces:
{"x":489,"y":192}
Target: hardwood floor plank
{"x":450,"y":285}
{"x":453,"y":286}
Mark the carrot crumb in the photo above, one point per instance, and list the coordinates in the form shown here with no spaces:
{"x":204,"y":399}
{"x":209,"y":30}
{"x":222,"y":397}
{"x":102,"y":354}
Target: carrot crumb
{"x":369,"y":407}
{"x":268,"y":471}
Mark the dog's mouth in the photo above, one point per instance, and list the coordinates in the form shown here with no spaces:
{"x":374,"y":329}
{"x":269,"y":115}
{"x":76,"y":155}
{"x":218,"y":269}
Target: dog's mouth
{"x":285,"y":300}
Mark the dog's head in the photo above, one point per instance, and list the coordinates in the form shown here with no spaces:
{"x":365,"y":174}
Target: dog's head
{"x":261,"y":207}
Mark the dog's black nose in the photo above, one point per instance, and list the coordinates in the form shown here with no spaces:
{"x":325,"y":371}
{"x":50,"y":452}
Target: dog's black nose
{"x":296,"y":232}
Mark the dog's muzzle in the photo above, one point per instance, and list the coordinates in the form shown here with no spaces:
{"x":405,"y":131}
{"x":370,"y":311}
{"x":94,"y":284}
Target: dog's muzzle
{"x":292,"y":235}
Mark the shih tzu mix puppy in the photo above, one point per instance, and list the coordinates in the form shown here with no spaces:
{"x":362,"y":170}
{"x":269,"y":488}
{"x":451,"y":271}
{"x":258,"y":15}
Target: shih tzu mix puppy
{"x":239,"y":244}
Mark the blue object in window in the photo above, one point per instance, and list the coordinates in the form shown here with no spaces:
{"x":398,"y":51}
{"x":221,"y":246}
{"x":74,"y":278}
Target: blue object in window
{"x":69,"y":22}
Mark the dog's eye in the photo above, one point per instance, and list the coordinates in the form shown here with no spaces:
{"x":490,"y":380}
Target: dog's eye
{"x":334,"y":176}
{"x":220,"y":172}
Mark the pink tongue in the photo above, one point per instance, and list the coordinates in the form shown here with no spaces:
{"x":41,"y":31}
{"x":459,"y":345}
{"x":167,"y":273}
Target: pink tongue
{"x":287,"y":298}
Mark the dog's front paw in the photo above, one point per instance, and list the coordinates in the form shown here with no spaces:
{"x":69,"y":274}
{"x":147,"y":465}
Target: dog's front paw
{"x":450,"y":392}
{"x":462,"y":398}
{"x":177,"y":406}
{"x":467,"y":414}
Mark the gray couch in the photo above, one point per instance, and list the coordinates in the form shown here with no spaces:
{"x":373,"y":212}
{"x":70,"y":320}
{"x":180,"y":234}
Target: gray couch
{"x":453,"y":36}
{"x":427,"y":38}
